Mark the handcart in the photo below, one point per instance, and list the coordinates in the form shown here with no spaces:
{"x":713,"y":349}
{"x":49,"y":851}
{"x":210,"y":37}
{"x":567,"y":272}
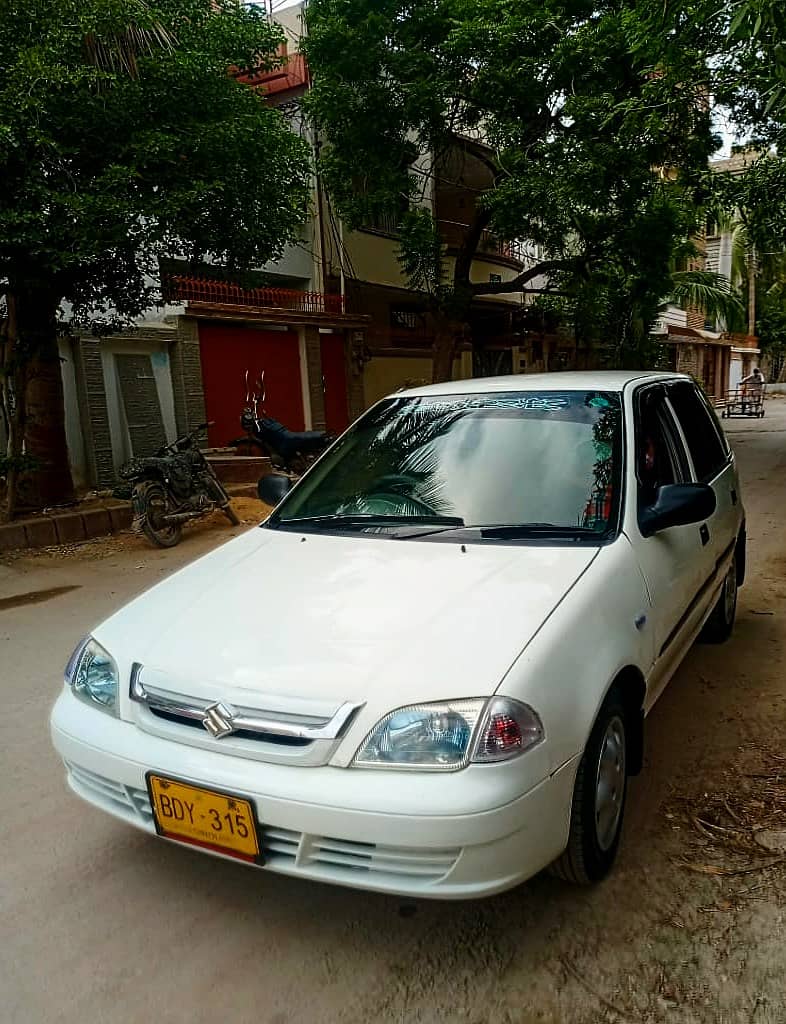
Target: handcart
{"x":747,"y":400}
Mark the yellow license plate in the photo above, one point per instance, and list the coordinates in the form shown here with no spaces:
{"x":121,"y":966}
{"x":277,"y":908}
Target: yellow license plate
{"x":204,"y":817}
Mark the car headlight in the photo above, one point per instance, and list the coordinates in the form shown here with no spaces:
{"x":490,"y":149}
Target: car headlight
{"x":451,"y":734}
{"x":92,"y":674}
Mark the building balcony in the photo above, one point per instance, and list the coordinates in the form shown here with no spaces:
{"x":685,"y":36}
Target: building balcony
{"x":452,"y":232}
{"x":512,"y":253}
{"x":212,"y":291}
{"x":742,"y":340}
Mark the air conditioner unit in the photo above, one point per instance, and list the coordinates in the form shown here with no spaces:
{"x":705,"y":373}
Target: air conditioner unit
{"x":659,"y":327}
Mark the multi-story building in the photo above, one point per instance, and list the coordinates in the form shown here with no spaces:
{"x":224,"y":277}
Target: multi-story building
{"x":702,"y":346}
{"x":332,"y":324}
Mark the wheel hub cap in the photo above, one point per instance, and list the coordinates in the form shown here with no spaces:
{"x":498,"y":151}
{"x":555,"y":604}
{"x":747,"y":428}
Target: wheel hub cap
{"x":610,"y":783}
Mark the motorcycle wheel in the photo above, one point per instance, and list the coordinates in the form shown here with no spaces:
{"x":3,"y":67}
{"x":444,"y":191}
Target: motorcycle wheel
{"x":154,"y":503}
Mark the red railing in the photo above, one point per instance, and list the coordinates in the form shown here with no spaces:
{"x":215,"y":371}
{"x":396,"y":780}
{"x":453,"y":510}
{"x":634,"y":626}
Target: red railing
{"x":181,"y":288}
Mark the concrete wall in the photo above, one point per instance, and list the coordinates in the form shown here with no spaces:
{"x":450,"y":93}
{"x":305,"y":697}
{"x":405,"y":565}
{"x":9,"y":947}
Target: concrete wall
{"x":74,"y":435}
{"x":386,"y":374}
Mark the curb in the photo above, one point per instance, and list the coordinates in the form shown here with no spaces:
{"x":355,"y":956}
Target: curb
{"x":74,"y":526}
{"x":64,"y":527}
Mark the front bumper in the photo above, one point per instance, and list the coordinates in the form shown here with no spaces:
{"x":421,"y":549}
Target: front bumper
{"x":329,"y":829}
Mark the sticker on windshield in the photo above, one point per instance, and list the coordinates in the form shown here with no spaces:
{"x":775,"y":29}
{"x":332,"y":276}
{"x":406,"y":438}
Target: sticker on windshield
{"x":533,"y":403}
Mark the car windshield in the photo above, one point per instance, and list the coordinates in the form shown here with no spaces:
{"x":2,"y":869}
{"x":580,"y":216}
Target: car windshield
{"x":540,"y":459}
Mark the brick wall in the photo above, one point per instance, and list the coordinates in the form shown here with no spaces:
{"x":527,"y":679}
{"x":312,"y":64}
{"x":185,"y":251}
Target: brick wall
{"x":689,"y":360}
{"x":186,"y":366}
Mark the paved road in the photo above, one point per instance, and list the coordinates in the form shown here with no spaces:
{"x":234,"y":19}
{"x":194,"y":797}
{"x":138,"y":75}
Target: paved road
{"x":99,"y":923}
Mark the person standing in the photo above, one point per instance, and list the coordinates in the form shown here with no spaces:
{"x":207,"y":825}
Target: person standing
{"x":752,"y":388}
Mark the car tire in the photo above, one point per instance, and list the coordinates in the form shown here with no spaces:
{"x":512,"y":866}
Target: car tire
{"x":720,"y":625}
{"x":598,"y":804}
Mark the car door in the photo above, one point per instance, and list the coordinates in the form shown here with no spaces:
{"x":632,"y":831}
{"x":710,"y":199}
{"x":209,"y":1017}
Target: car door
{"x":671,"y":561}
{"x":712,"y":463}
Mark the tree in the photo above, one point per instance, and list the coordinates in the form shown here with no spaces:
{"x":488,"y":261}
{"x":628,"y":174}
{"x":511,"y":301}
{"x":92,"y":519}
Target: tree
{"x":124,"y":136}
{"x":575,"y":107}
{"x":756,"y":51}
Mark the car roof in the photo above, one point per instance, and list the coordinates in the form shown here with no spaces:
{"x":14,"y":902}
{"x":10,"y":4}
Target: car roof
{"x":588,"y":380}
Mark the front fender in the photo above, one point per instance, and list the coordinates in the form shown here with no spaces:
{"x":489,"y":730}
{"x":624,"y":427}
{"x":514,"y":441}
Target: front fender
{"x":594,"y":637}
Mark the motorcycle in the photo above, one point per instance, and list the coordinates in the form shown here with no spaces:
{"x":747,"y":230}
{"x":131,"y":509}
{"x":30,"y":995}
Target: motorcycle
{"x":173,"y":486}
{"x":292,"y":451}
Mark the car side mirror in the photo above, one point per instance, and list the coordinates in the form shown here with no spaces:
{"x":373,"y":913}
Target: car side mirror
{"x":677,"y":505}
{"x":273,"y":488}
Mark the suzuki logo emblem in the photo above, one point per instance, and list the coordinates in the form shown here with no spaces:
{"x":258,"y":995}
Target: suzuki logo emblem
{"x":218,"y":720}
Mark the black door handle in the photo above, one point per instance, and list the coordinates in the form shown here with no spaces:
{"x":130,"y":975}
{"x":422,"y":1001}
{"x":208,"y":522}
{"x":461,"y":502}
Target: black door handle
{"x":733,"y":496}
{"x":704,"y":533}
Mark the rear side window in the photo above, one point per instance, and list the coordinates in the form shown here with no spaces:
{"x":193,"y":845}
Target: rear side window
{"x":703,"y":434}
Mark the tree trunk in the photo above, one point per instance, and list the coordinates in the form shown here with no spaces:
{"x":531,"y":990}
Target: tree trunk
{"x":44,"y":430}
{"x":13,"y":387}
{"x":444,"y":351}
{"x":752,"y":292}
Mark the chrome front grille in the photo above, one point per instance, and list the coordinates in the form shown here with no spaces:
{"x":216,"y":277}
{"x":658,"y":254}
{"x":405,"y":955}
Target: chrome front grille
{"x":241,"y":734}
{"x":290,"y":851}
{"x":307,"y":737}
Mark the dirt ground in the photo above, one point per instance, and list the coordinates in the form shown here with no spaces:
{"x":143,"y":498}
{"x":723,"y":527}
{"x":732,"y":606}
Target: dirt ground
{"x":101,"y":923}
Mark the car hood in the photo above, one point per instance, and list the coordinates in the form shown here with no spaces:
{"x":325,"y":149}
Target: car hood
{"x":274,"y":618}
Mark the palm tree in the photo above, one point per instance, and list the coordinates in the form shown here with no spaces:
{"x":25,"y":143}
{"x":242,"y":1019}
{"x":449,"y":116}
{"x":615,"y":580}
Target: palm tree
{"x":118,"y":51}
{"x":707,"y":291}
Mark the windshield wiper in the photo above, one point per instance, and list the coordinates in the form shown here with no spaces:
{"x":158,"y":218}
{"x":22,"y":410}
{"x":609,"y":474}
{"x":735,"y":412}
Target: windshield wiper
{"x":359,"y":520}
{"x":517,"y":531}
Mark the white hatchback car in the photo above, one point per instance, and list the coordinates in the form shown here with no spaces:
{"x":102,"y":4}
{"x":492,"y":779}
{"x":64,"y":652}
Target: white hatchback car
{"x":427,"y":672}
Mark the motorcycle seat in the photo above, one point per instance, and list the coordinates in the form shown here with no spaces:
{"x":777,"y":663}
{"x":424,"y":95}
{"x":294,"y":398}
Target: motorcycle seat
{"x":294,"y":440}
{"x":307,"y":438}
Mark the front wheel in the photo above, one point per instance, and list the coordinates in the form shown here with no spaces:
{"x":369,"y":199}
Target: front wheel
{"x":152,"y":504}
{"x":598,"y":799}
